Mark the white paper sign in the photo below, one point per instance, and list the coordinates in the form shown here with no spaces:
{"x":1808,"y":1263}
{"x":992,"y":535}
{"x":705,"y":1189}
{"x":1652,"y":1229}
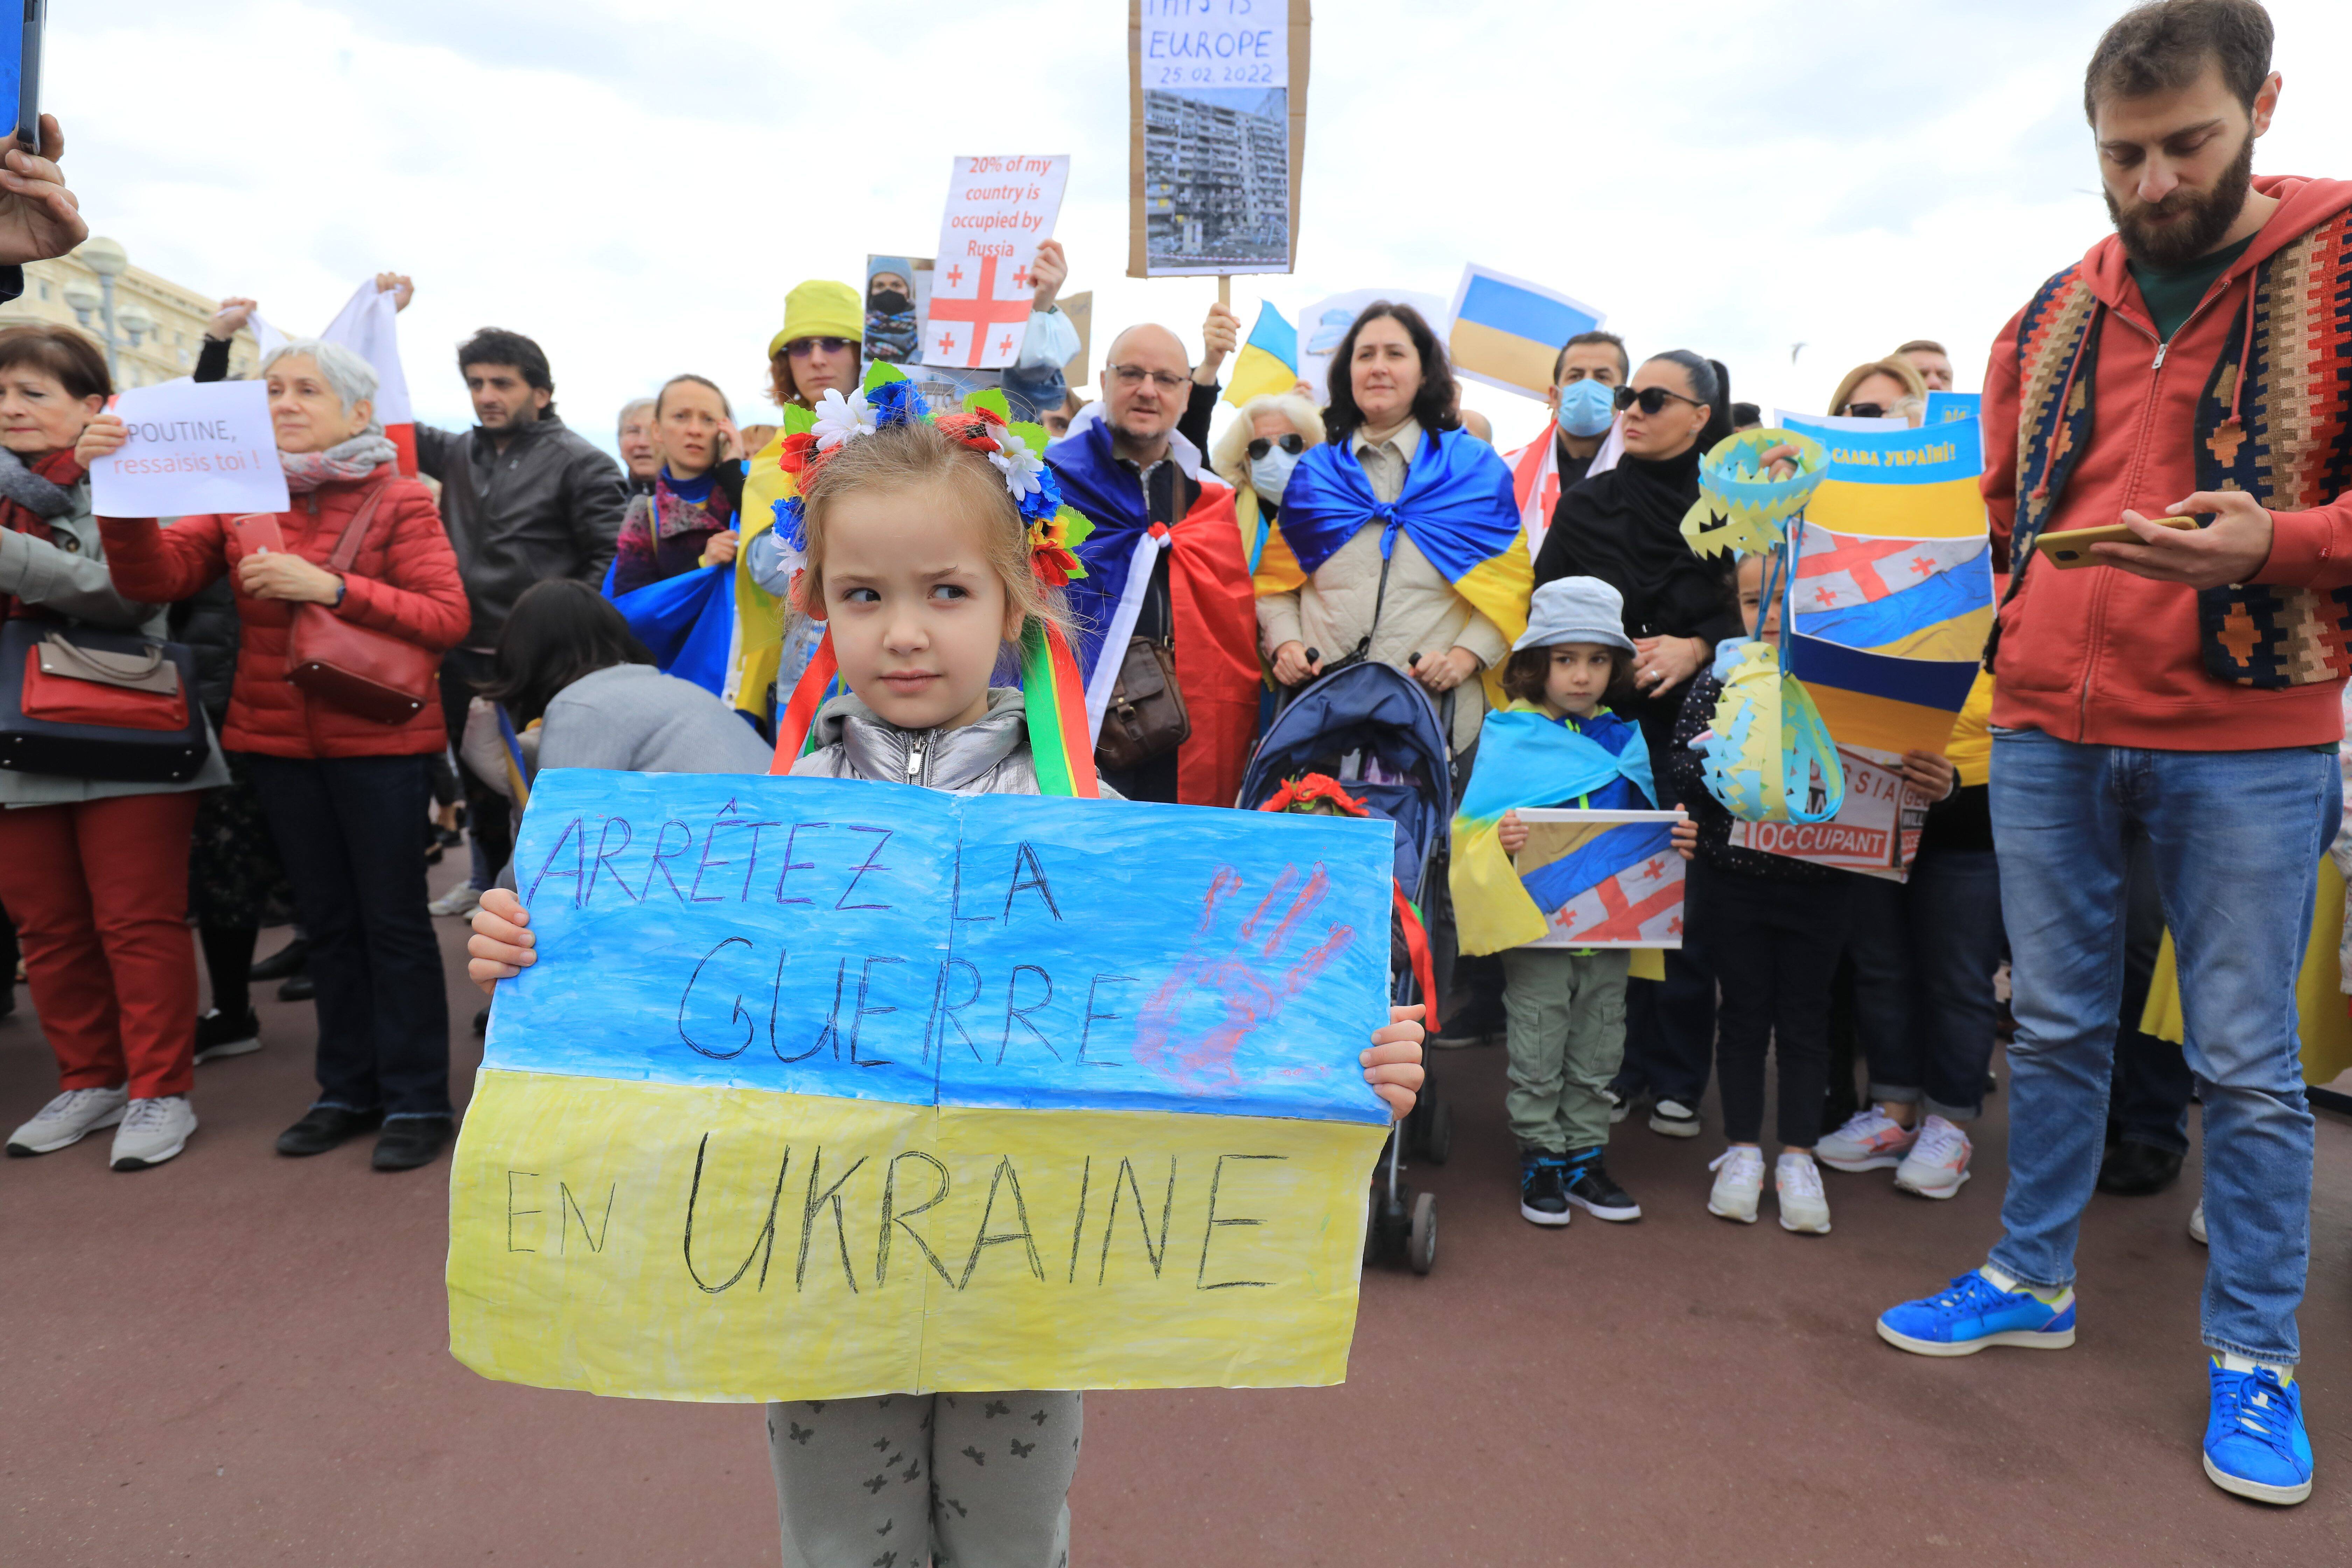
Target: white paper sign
{"x":998,"y":210}
{"x":191,"y":448}
{"x":1875,"y":832}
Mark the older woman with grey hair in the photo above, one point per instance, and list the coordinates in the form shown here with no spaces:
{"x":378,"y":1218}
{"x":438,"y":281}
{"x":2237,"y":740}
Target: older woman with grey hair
{"x":640,"y":447}
{"x":1256,"y":455}
{"x":346,"y":793}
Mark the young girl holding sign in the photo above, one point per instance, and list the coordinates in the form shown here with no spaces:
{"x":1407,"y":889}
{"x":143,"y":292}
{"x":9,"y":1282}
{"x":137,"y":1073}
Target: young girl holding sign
{"x":924,"y":563}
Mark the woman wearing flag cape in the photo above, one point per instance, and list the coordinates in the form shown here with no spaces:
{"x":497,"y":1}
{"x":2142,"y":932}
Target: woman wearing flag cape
{"x":1406,"y":529}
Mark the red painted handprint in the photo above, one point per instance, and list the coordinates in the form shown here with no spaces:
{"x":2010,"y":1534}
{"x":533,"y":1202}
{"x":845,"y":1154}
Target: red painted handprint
{"x":1235,"y":977}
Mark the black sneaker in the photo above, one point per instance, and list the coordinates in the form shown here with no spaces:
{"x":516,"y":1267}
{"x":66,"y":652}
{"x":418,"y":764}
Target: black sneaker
{"x":1543,"y":1194}
{"x":287,"y":960}
{"x":219,"y":1035}
{"x":1591,"y":1188}
{"x":2135,"y":1170}
{"x":409,"y":1141}
{"x":325,"y":1127}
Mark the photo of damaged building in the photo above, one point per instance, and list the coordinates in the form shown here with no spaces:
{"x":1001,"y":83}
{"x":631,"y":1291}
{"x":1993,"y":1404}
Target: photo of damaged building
{"x":1216,"y":181}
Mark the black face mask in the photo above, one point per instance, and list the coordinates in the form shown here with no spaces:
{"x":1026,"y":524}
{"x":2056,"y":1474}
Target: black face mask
{"x":889,"y":302}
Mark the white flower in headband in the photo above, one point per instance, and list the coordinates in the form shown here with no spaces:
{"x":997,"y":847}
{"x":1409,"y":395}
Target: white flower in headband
{"x":840,"y":419}
{"x":1022,"y":469}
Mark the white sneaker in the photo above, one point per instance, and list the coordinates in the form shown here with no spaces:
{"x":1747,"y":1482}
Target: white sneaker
{"x":1738,"y":1184}
{"x":69,"y":1119}
{"x":2196,"y":1223}
{"x":1673,"y":1118}
{"x":1869,"y":1141}
{"x":152,"y":1131}
{"x":460,"y":901}
{"x":1619,"y":1109}
{"x":1797,"y":1182}
{"x":1938,"y":1162}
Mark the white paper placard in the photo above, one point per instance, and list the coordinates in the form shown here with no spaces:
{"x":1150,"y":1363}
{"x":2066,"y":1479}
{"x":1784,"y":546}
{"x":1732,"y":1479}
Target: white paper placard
{"x":1875,"y":832}
{"x":191,"y":448}
{"x":999,"y":208}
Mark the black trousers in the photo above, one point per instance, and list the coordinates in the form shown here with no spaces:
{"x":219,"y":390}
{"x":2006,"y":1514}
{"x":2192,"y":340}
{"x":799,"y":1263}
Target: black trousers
{"x":346,"y":828}
{"x":490,"y":815}
{"x":1775,"y":946}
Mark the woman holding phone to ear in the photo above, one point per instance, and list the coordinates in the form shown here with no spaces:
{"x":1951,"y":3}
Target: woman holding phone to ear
{"x":346,"y":793}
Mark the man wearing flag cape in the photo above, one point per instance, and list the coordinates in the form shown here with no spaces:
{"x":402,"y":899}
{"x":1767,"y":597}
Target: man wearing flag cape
{"x":1406,"y":529}
{"x":1164,"y":563}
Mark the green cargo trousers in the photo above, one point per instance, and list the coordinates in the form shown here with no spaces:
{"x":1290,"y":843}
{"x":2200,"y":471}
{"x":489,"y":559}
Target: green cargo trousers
{"x":1566,"y":1040}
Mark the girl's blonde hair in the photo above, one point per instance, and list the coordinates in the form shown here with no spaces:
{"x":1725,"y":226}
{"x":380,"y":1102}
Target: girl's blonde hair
{"x":912,"y":455}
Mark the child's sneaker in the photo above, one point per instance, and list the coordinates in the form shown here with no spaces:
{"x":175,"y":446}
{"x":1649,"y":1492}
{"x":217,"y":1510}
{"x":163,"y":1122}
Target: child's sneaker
{"x":1797,"y":1182}
{"x":1673,"y":1118}
{"x":219,"y":1037}
{"x":1980,"y":1308}
{"x":1937,"y":1164}
{"x":2255,"y":1444}
{"x":1869,"y":1141}
{"x":1592,"y":1189}
{"x":1543,"y":1188}
{"x":1738,"y":1184}
{"x":2196,"y":1223}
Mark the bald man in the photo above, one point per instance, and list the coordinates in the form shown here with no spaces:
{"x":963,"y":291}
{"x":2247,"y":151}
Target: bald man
{"x":1153,"y":511}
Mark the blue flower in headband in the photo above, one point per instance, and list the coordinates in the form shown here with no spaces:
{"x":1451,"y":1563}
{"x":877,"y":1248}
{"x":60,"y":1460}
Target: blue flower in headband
{"x":791,"y":522}
{"x":896,"y":402}
{"x":1044,"y":500}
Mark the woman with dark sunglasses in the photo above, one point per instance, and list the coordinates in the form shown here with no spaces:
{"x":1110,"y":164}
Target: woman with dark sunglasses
{"x":1256,"y":455}
{"x":818,"y":348}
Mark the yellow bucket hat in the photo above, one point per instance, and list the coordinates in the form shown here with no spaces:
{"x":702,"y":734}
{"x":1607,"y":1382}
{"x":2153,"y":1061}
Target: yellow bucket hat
{"x":819,"y":308}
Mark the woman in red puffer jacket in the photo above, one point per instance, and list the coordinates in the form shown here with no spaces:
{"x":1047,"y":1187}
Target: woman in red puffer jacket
{"x":346,"y":795}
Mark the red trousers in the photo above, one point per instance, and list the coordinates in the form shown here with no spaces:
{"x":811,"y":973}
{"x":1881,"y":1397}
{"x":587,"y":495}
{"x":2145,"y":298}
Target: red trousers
{"x":98,"y":891}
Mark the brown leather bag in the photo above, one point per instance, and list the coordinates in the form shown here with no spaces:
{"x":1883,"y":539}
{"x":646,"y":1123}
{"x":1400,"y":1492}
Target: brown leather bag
{"x":1146,"y":717}
{"x":373,"y":674}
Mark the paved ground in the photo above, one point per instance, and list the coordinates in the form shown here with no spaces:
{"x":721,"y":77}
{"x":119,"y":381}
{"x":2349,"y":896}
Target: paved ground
{"x":242,"y":1360}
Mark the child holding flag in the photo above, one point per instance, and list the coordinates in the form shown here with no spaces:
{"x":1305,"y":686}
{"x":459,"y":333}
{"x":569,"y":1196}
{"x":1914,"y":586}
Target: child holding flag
{"x":1556,"y":744}
{"x":929,"y":547}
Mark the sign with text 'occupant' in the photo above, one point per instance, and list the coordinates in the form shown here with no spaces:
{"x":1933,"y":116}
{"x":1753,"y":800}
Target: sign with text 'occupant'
{"x":191,"y":447}
{"x":825,"y":1088}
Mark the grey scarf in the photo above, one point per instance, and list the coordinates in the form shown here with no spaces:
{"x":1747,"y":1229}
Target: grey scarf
{"x":29,"y":490}
{"x":353,"y":459}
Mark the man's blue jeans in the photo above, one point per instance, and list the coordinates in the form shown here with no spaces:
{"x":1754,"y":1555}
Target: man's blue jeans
{"x":2236,"y":838}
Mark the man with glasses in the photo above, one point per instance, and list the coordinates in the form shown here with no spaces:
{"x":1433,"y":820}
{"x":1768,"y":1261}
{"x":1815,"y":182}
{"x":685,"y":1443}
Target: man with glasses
{"x":524,"y":498}
{"x":1164,"y":566}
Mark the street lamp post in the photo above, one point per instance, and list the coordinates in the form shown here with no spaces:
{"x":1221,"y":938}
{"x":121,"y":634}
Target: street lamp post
{"x":106,"y":259}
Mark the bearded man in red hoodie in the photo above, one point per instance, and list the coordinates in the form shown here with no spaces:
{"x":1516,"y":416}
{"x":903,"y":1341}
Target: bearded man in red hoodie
{"x":2185,"y":687}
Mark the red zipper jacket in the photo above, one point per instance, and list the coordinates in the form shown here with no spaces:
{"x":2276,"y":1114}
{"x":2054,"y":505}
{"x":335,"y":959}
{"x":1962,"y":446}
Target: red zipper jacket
{"x":403,"y":582}
{"x":2101,"y":656}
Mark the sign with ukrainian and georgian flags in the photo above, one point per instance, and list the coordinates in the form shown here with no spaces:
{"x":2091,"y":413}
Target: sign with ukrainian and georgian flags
{"x":1603,"y":879}
{"x":827,"y":1087}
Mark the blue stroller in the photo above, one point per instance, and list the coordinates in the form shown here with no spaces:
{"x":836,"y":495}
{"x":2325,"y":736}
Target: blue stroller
{"x":1371,"y":727}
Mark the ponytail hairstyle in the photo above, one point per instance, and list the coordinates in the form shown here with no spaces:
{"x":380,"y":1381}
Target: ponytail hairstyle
{"x":1710,"y":383}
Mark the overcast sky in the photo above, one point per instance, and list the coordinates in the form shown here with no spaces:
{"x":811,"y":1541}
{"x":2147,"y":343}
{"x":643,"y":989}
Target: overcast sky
{"x":636,"y":186}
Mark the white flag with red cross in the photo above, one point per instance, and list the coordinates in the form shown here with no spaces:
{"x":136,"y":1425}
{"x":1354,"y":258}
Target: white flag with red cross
{"x":999,"y":209}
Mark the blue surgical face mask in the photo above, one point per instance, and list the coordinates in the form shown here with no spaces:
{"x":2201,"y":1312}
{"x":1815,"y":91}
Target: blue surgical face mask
{"x":1270,"y":475}
{"x":1587,"y":406}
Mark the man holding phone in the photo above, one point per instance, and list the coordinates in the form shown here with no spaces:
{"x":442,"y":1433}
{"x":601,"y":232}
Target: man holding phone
{"x":2183,"y":688}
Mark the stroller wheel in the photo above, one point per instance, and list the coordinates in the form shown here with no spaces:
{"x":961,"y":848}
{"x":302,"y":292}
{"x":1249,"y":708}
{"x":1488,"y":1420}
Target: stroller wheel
{"x":1438,"y":1136}
{"x":1421,"y":1247}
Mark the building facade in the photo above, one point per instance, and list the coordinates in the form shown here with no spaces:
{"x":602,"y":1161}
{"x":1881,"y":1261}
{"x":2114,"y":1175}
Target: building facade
{"x":158,"y":324}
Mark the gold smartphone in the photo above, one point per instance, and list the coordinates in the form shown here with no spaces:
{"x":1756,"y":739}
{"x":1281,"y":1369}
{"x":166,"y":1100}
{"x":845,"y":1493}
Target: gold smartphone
{"x":2072,"y":549}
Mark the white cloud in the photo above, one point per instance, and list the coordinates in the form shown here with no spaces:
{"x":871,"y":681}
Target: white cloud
{"x":638,"y":188}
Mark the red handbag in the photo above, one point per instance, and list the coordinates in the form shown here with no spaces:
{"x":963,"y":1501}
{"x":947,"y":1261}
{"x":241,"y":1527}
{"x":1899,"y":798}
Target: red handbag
{"x":66,"y":683}
{"x":371,"y":673}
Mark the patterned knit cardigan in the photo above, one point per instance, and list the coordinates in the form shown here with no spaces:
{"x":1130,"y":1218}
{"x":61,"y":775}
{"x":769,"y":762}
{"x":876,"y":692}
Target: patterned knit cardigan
{"x":2275,"y":420}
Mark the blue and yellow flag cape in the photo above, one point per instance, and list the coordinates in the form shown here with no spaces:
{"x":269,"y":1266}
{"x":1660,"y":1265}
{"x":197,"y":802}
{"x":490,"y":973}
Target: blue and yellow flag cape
{"x":1525,"y":759}
{"x":686,"y":622}
{"x":1457,"y":507}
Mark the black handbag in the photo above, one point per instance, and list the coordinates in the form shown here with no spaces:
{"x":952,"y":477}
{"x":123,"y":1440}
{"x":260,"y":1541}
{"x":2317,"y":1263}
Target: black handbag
{"x":109,"y":733}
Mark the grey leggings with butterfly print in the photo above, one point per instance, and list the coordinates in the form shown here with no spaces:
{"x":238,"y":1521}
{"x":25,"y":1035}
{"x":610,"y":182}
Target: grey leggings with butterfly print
{"x":900,"y":1481}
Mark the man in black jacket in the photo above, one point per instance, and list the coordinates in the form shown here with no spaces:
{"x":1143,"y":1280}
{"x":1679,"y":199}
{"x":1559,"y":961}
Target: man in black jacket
{"x":524,"y":498}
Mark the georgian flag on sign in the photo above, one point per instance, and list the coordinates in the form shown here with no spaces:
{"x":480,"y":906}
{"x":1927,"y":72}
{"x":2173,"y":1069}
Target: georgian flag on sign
{"x":1603,"y":879}
{"x":980,"y":310}
{"x":1839,"y":570}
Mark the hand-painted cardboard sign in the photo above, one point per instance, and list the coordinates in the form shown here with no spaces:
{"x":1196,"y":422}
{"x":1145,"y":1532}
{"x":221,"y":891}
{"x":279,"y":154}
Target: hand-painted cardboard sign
{"x":825,"y":1088}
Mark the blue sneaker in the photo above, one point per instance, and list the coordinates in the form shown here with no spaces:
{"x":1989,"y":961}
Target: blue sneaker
{"x":1976,"y":1312}
{"x":2254,"y":1442}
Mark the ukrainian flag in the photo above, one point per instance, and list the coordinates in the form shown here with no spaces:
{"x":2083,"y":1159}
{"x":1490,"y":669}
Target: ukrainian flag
{"x":1269,"y":362}
{"x":1508,"y":332}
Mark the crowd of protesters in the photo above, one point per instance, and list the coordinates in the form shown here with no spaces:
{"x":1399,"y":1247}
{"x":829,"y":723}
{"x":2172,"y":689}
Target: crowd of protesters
{"x":2150,"y":747}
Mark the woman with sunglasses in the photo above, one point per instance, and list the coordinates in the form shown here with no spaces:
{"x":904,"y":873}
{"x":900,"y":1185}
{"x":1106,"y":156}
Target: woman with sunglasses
{"x":1624,"y":527}
{"x":818,"y":348}
{"x":1256,"y":455}
{"x":1889,"y":388}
